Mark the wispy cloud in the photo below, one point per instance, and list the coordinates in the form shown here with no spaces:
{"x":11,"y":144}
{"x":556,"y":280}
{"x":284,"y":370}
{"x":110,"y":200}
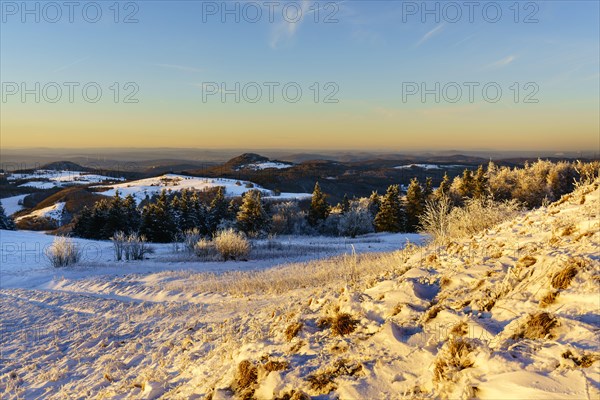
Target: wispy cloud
{"x":286,"y":29}
{"x":430,"y":34}
{"x":66,"y":66}
{"x":183,"y":68}
{"x":502,"y":62}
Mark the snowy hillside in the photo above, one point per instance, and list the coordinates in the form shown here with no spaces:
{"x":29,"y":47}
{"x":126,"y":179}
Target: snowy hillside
{"x":151,"y":186}
{"x":47,"y":179}
{"x":53,"y":212}
{"x":512,"y":312}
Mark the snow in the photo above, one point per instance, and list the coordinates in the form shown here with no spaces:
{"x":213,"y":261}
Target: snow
{"x":48,"y":179}
{"x":11,"y":204}
{"x":427,"y":166}
{"x":54,"y":212}
{"x":267,"y":165}
{"x":174,"y":182}
{"x":165,"y":328}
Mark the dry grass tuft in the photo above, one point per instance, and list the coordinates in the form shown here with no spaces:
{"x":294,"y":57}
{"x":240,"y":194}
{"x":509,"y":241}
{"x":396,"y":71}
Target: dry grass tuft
{"x":562,"y":279}
{"x":292,"y":330}
{"x":246,"y":377}
{"x":568,"y":230}
{"x":460,"y":329}
{"x":431,"y":313}
{"x":323,"y":382}
{"x":273,"y":365}
{"x":454,"y":357}
{"x":549,"y":299}
{"x":585,"y":361}
{"x":526,"y":261}
{"x":537,"y":326}
{"x":293,"y":395}
{"x":343,"y":324}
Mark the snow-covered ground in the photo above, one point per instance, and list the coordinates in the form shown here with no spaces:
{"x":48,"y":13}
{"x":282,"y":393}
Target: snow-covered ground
{"x":47,"y":179}
{"x":11,"y":204}
{"x":452,"y":321}
{"x":427,"y":166}
{"x":174,"y":182}
{"x":267,"y":165}
{"x":53,"y":212}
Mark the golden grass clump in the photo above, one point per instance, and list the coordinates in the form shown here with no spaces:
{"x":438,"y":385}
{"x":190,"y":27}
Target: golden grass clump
{"x":549,"y":298}
{"x":343,"y":324}
{"x":292,"y":330}
{"x":562,"y":279}
{"x":584,"y":361}
{"x":246,"y":377}
{"x":537,"y":326}
{"x":454,"y":357}
{"x":274,"y":365}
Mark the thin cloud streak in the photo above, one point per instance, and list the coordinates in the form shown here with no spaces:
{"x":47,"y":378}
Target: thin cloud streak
{"x":430,"y":34}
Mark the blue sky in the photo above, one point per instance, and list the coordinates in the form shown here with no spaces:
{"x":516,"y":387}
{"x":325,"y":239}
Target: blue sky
{"x":372,"y":49}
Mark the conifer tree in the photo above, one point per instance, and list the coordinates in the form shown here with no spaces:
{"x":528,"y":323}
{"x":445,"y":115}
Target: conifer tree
{"x":345,"y":204}
{"x":5,"y":221}
{"x":415,"y":204}
{"x":218,"y":210}
{"x":319,"y":208}
{"x":428,"y":189}
{"x":132,"y":214}
{"x":374,"y":203}
{"x":467,"y":184}
{"x":252,"y":217}
{"x":480,"y":183}
{"x":444,"y":189}
{"x":390,"y":217}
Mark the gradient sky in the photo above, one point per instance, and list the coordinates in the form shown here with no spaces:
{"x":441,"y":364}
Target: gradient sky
{"x":373,"y":49}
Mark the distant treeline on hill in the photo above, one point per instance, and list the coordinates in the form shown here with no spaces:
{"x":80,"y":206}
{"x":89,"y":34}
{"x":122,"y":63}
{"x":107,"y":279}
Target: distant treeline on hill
{"x":168,"y":216}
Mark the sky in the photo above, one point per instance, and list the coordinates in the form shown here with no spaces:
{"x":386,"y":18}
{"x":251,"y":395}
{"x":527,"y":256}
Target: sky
{"x":376,"y":75}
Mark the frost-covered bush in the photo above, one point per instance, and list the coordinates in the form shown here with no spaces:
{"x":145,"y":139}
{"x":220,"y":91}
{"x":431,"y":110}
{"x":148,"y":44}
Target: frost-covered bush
{"x":231,"y":245}
{"x":288,"y":219}
{"x":130,"y":247}
{"x":190,"y":239}
{"x":357,"y":220}
{"x":436,"y":217}
{"x":443,"y":222}
{"x":63,"y":252}
{"x":205,"y":249}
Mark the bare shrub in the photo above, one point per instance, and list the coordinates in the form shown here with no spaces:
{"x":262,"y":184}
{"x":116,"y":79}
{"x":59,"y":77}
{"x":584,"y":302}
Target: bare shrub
{"x":232,"y":245}
{"x":63,"y":252}
{"x":136,"y":247}
{"x":292,"y":330}
{"x":453,"y":357}
{"x":562,"y":279}
{"x":537,"y":326}
{"x":130,"y":247}
{"x":205,"y":249}
{"x":190,"y":238}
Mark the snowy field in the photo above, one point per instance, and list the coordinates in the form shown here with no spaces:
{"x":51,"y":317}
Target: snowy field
{"x":174,"y":182}
{"x":11,"y":204}
{"x":48,"y":179}
{"x":511,"y":313}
